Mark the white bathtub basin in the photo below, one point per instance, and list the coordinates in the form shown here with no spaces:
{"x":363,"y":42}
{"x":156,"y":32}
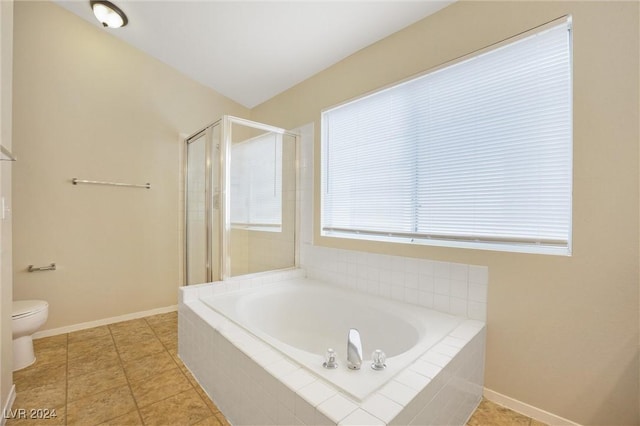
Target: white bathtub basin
{"x":302,"y":318}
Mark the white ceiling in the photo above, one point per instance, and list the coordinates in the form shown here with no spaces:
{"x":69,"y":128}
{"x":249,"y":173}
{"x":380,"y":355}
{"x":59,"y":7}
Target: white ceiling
{"x":250,"y":51}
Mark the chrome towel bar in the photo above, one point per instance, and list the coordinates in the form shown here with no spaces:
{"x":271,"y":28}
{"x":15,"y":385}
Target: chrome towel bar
{"x":76,"y":181}
{"x":51,"y":267}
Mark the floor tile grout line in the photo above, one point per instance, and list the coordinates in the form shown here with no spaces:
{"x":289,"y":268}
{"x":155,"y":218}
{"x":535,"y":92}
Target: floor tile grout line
{"x":85,"y":374}
{"x":181,"y":370}
{"x":126,"y":377}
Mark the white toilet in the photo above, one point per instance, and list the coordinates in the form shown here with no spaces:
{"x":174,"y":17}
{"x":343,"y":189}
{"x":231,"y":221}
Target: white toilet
{"x":27,"y":317}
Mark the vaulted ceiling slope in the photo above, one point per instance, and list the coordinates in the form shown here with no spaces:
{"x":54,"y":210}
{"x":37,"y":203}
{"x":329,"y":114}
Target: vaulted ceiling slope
{"x":250,"y":51}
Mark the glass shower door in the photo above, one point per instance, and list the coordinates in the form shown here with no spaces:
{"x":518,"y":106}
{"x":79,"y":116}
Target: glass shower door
{"x":240,"y":200}
{"x":261,"y":222}
{"x":202,"y":215}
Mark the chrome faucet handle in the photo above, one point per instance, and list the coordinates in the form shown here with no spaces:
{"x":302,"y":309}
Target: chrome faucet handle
{"x":330,"y":360}
{"x":379,"y":358}
{"x":354,"y":350}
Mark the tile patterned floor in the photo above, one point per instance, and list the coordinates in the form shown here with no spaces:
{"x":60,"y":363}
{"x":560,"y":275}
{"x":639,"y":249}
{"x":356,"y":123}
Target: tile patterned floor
{"x":126,"y":373}
{"x":489,"y":413}
{"x":129,"y":373}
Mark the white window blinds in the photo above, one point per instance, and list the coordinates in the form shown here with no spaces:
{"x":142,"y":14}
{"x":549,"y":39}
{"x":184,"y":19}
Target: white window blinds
{"x":475,"y":154}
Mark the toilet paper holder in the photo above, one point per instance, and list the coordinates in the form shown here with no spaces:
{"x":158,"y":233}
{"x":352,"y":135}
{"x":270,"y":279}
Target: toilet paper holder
{"x":51,"y":267}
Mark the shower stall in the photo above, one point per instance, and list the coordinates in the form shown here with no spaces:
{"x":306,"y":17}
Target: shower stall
{"x":240,"y":200}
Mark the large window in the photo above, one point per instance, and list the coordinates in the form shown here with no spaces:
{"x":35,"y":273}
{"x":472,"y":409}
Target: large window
{"x":474,"y":154}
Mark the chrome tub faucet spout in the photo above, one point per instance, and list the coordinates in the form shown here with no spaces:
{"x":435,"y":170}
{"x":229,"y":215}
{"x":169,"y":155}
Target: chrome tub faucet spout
{"x":354,"y":350}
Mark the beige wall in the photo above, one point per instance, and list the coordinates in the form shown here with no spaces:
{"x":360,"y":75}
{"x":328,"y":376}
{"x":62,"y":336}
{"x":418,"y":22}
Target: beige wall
{"x":239,"y":251}
{"x":562,"y":331}
{"x":87,"y":105}
{"x":6,"y":280}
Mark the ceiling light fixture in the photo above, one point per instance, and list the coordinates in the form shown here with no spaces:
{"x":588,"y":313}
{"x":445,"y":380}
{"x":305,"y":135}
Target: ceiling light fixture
{"x":108,"y":14}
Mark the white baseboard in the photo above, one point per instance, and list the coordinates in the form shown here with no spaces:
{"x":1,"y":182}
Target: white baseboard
{"x":6,"y":409}
{"x":526,"y":409}
{"x":104,"y":321}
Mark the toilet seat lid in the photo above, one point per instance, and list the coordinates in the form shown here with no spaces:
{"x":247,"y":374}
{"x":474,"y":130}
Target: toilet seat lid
{"x":23,"y":308}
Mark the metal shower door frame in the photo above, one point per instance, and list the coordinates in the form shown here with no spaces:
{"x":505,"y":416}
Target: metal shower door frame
{"x":207,"y":133}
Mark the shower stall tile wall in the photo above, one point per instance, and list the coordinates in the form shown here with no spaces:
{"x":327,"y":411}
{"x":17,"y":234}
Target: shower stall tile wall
{"x":454,"y":288}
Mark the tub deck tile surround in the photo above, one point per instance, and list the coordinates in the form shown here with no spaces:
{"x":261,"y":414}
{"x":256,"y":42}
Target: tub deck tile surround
{"x":450,"y":373}
{"x":42,"y":386}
